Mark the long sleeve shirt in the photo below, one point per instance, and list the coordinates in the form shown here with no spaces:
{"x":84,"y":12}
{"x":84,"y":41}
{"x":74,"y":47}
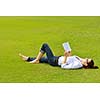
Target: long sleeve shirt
{"x":72,"y":62}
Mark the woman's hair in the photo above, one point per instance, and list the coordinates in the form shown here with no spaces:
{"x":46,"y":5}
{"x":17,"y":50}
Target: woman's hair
{"x":91,"y":65}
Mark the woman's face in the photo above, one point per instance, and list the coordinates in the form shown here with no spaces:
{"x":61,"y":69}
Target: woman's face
{"x":86,"y":61}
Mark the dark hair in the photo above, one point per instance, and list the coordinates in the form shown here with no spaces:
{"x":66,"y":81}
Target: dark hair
{"x":91,"y":65}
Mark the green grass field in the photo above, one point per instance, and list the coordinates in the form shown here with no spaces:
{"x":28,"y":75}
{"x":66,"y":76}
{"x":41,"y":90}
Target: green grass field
{"x":26,"y":34}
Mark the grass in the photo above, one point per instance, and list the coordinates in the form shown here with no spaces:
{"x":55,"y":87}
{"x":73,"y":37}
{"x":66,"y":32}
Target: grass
{"x":26,"y":34}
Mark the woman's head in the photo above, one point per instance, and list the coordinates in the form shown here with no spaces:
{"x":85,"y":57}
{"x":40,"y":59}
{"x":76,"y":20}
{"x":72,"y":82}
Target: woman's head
{"x":89,"y":63}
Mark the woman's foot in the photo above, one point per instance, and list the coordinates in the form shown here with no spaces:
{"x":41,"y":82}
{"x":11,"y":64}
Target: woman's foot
{"x":23,"y":57}
{"x":34,"y":61}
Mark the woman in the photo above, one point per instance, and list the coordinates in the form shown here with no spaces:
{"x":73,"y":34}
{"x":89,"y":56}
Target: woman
{"x":66,"y":62}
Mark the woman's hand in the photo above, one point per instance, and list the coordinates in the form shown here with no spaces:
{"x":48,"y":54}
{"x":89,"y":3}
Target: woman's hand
{"x":67,"y":53}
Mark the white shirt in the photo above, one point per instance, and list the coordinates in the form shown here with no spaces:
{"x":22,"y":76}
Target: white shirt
{"x":72,"y":62}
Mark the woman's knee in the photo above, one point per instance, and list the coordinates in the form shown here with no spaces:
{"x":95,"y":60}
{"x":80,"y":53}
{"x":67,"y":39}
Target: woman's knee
{"x":45,"y":45}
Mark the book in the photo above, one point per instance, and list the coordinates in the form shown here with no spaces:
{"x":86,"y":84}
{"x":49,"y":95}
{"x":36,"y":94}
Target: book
{"x":66,"y":46}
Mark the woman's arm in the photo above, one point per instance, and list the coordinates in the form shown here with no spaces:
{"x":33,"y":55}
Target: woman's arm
{"x":66,"y":54}
{"x":64,"y":61}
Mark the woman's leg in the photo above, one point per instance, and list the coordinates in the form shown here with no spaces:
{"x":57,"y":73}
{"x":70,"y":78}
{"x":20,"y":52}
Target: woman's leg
{"x":44,"y":49}
{"x":52,"y":60}
{"x":42,"y":60}
{"x":39,"y":56}
{"x":30,"y":59}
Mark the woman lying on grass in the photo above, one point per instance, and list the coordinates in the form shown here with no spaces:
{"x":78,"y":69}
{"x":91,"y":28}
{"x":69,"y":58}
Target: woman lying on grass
{"x":66,"y":62}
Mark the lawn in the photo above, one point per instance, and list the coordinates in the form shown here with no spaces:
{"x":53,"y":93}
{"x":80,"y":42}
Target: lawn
{"x":26,"y":34}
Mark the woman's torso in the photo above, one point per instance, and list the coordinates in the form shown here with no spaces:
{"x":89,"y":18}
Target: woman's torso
{"x":69,"y":60}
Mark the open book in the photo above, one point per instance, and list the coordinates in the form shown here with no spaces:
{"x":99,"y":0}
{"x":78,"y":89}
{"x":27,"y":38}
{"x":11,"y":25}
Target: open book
{"x":66,"y":46}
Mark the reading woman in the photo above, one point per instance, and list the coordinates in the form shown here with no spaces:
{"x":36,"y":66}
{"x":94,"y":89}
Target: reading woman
{"x":67,"y":61}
